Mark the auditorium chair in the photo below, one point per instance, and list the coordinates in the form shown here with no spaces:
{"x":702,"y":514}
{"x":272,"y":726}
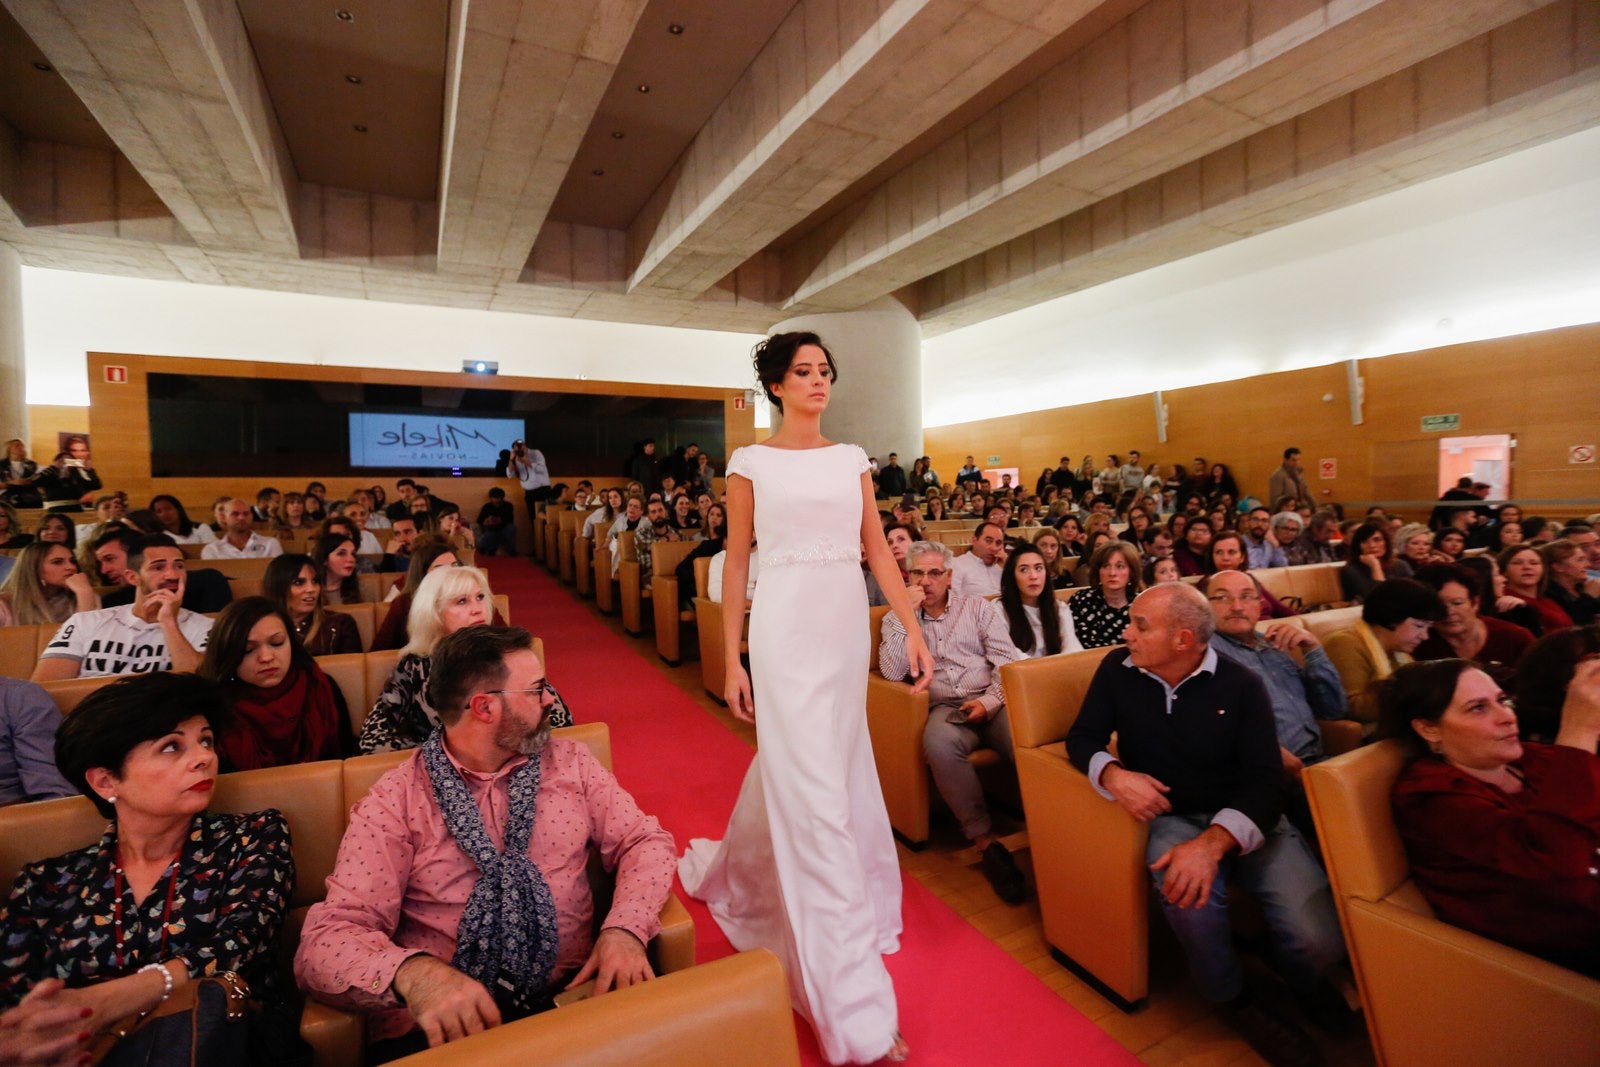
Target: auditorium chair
{"x":316,"y":799}
{"x":19,"y":650}
{"x":670,"y":617}
{"x":708,"y":624}
{"x":605,"y":586}
{"x":552,"y":539}
{"x":1433,"y":993}
{"x":732,"y":1012}
{"x":633,"y":588}
{"x":536,"y":540}
{"x":570,"y":524}
{"x":583,"y":563}
{"x":896,"y":717}
{"x":366,"y":617}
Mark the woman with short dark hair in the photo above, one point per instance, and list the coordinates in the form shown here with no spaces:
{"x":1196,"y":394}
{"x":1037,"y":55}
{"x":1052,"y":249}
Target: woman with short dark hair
{"x":285,"y":710}
{"x":1101,"y":612}
{"x":1394,"y":620}
{"x":1501,"y":834}
{"x":171,"y":893}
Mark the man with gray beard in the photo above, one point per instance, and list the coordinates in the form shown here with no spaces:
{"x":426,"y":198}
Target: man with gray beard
{"x":459,"y":900}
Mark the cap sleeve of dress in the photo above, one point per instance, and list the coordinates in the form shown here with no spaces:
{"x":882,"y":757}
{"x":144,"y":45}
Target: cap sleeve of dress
{"x":859,"y":454}
{"x":739,"y":463}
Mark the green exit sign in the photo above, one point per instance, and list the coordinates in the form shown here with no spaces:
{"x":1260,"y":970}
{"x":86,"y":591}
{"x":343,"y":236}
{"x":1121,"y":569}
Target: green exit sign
{"x":993,"y":460}
{"x":1438,"y":423}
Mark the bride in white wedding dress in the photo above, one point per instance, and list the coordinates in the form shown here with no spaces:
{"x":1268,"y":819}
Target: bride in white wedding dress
{"x":807,"y":867}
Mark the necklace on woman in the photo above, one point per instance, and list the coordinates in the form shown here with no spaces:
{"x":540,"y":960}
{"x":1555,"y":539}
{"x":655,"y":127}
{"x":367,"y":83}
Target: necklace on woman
{"x":166,"y":912}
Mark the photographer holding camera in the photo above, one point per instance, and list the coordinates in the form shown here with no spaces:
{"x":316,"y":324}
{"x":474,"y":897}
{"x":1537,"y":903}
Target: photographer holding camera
{"x":528,"y":467}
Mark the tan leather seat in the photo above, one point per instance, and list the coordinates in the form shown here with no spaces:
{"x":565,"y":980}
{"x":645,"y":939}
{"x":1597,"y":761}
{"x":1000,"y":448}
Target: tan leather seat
{"x":234,"y":568}
{"x":1088,"y":855}
{"x":1316,"y":584}
{"x":605,"y":586}
{"x":68,"y":693}
{"x":348,"y":671}
{"x":19,"y":650}
{"x":664,"y":598}
{"x":1433,"y":993}
{"x":583,"y":564}
{"x":571,"y":523}
{"x":732,"y":1012}
{"x":1324,"y":624}
{"x":365,"y":616}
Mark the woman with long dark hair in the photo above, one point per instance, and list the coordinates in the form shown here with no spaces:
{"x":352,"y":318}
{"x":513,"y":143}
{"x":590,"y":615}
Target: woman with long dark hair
{"x":334,"y":555}
{"x":1040,"y":623}
{"x":175,"y":521}
{"x":285,"y":710}
{"x":294,"y":582}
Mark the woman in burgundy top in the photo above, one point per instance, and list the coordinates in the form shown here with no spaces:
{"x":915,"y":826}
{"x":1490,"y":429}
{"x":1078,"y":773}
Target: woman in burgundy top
{"x":1502,"y":835}
{"x":1528,"y":579}
{"x":1491,"y":644}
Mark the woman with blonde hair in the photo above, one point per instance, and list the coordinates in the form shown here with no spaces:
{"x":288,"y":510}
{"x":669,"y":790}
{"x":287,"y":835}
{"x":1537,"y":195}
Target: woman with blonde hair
{"x":45,"y":587}
{"x":447,"y":599}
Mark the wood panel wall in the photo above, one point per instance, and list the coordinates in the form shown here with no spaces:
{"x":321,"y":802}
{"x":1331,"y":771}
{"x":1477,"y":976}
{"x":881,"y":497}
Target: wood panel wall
{"x":1544,"y":388}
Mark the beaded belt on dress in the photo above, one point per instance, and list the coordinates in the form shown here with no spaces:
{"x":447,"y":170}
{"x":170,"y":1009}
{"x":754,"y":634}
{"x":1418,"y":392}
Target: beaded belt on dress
{"x":825,"y":552}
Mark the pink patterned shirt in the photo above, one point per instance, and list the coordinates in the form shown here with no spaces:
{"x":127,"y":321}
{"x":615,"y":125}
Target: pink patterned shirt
{"x":401,"y":882}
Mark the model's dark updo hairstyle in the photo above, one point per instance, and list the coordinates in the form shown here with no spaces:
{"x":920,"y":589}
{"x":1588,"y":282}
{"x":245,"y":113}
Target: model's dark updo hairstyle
{"x":773,"y":356}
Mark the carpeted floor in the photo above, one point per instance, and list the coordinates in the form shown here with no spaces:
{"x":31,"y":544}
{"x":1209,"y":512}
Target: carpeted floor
{"x":962,"y":999}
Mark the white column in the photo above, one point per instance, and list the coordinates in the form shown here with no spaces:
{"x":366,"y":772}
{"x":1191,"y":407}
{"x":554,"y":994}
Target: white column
{"x":877,"y":403}
{"x":13,"y":379}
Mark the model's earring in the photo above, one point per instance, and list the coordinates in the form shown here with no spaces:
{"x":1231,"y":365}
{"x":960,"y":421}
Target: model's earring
{"x":1436,"y":747}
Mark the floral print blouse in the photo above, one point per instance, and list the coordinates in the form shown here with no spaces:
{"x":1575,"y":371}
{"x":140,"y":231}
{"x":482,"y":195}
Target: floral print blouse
{"x":230,"y":893}
{"x":402,"y":717}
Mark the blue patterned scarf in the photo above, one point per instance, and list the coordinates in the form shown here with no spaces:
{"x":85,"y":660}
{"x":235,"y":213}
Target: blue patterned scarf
{"x":508,"y":938}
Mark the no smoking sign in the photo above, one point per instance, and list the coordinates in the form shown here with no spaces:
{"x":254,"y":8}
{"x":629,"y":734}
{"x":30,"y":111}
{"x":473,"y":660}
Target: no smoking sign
{"x":1581,"y":454}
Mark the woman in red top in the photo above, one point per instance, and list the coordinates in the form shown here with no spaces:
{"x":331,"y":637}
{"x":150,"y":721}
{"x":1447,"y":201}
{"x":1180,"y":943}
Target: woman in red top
{"x":1502,"y":834}
{"x":1528,"y":579}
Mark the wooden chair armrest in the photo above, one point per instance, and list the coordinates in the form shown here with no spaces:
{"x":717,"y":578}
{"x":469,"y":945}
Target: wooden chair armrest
{"x":673,"y":948}
{"x":337,"y":1038}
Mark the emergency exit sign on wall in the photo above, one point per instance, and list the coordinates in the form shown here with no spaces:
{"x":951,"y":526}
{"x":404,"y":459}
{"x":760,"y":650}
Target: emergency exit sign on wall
{"x":1440,"y":423}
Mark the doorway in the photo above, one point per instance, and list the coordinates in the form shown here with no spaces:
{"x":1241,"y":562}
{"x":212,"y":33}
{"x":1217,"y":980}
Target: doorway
{"x":1484,"y":458}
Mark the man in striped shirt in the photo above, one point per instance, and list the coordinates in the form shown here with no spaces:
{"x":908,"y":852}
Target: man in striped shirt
{"x":970,"y":641}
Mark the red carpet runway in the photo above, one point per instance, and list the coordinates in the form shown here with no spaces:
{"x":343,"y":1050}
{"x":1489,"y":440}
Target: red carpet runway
{"x":963,"y":1000}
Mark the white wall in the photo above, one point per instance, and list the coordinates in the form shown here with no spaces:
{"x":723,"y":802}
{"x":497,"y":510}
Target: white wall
{"x":13,"y":412}
{"x":68,"y":314}
{"x":1507,"y":247}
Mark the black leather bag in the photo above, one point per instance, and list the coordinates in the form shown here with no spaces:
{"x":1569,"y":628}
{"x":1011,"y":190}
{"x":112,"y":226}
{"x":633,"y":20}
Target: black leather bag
{"x":205,"y":1022}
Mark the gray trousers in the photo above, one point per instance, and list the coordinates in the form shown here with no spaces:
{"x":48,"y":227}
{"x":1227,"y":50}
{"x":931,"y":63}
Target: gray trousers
{"x":947,"y":746}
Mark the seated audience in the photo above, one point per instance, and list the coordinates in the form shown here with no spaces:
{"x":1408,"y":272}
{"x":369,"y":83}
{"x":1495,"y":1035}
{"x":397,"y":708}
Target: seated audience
{"x":448,"y":599}
{"x":284,"y":709}
{"x":1395,"y":619}
{"x":17,"y":475}
{"x":656,"y":527}
{"x":334,"y":556}
{"x":1584,"y":536}
{"x":205,"y":590}
{"x":1226,"y":553}
{"x":69,"y":481}
{"x":316,"y":498}
{"x":603,"y":516}
{"x":452,"y":531}
{"x":404,"y":490}
{"x":1260,"y":543}
{"x":714,"y":519}
{"x":12,"y":535}
{"x":1071,"y":530}
{"x":630,"y":519}
{"x":1462,"y":632}
{"x":936,"y":508}
{"x":1501,"y":834}
{"x":1091,"y":544}
{"x":239,"y":540}
{"x":293,"y":519}
{"x":142,"y":750}
{"x":1316,"y":541}
{"x":1286,"y":527}
{"x":1414,"y":545}
{"x":977,"y":573}
{"x":429,"y":557}
{"x":1370,"y":561}
{"x":268,"y":500}
{"x":1450,"y":543}
{"x":154,"y":633}
{"x":1209,"y":786}
{"x":1497,"y":603}
{"x":1100,"y":613}
{"x":1139,"y":522}
{"x":414,"y":934}
{"x":1528,"y":579}
{"x":107,"y":509}
{"x":966,"y":705}
{"x":684,"y":519}
{"x":357,"y":514}
{"x":45,"y":587}
{"x":1040,"y":623}
{"x":1048,"y":542}
{"x":175,"y":521}
{"x":1160,"y":570}
{"x":293,"y":582}
{"x":1301,"y":692}
{"x":1570,"y":585}
{"x":28,"y":722}
{"x":1544,"y":674}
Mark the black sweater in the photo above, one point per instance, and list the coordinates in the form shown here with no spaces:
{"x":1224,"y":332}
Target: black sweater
{"x":1218,"y":749}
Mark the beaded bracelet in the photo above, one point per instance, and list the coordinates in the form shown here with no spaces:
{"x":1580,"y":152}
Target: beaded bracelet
{"x":166,"y":978}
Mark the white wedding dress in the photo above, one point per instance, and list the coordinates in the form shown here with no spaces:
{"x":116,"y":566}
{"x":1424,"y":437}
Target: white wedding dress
{"x":807,"y":867}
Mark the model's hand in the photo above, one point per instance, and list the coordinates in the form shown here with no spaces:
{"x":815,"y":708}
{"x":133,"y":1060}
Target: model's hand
{"x":45,"y":1028}
{"x":737,"y":693}
{"x":1191,"y":869}
{"x":921,"y":661}
{"x":1140,"y":795}
{"x":447,"y":1004}
{"x":618,"y":960}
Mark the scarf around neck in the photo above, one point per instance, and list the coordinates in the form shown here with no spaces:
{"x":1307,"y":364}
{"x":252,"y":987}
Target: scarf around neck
{"x":508,"y":937}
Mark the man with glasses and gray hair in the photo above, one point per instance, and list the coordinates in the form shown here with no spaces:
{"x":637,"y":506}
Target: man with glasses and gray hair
{"x":970,"y":641}
{"x":460,"y":898}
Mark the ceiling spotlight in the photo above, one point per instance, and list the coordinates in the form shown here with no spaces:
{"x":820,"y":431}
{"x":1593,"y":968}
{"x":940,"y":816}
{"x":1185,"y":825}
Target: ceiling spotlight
{"x":343,"y":16}
{"x":675,"y":29}
{"x":617,"y":135}
{"x":644,"y":88}
{"x":41,"y":65}
{"x":598,"y":172}
{"x":359,"y":127}
{"x":353,"y":79}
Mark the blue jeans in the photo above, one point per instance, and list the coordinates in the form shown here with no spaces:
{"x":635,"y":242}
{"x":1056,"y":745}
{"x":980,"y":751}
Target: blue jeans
{"x":1294,"y":894}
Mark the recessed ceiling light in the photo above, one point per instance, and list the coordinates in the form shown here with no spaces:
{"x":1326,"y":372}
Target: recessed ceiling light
{"x":359,"y":128}
{"x":343,"y":16}
{"x":644,"y":88}
{"x":675,"y":29}
{"x":353,"y":79}
{"x":617,"y":135}
{"x":41,"y":65}
{"x":598,"y":172}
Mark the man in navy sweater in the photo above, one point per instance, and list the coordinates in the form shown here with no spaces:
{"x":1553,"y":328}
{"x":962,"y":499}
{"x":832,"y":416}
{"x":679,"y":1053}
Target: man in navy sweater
{"x":1198,"y":761}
